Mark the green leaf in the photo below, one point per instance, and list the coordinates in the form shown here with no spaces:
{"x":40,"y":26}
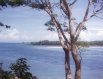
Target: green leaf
{"x":84,"y":28}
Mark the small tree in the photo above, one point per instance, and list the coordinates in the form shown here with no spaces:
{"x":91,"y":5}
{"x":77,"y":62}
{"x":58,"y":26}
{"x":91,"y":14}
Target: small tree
{"x":20,"y":68}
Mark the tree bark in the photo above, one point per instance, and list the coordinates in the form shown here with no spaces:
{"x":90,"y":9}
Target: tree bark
{"x":67,"y":64}
{"x":77,"y":61}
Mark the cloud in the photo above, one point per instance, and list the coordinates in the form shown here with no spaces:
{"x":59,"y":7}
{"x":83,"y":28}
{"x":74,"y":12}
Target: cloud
{"x":91,"y":35}
{"x":14,"y":35}
{"x":51,"y":36}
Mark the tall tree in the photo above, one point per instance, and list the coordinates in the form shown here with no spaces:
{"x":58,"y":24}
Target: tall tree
{"x":68,"y":40}
{"x":68,"y":31}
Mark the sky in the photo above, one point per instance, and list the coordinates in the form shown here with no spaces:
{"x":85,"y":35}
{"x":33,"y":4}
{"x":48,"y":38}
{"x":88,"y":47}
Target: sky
{"x":27,"y":25}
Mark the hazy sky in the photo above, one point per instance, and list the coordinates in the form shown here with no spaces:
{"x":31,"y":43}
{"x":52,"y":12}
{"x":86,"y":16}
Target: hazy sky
{"x":28,"y":25}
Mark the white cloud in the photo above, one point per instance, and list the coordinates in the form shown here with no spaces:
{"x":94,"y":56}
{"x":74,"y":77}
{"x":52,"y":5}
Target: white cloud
{"x":14,"y":35}
{"x":91,"y":35}
{"x":51,"y":36}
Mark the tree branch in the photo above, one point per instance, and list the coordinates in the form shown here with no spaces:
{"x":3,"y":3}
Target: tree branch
{"x":79,"y":27}
{"x":81,"y":24}
{"x":95,"y":13}
{"x":73,"y":2}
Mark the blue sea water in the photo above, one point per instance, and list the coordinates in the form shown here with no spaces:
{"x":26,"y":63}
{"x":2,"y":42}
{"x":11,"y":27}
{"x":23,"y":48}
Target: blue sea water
{"x":48,"y":62}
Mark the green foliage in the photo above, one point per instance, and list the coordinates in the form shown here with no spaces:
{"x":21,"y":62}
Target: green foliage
{"x":84,"y":28}
{"x":20,"y":67}
{"x":83,"y":44}
{"x":46,"y":42}
{"x":79,"y":43}
{"x":96,"y":43}
{"x":12,"y":2}
{"x":50,"y":25}
{"x":16,"y":2}
{"x":6,"y":74}
{"x":3,"y":3}
{"x":3,"y":25}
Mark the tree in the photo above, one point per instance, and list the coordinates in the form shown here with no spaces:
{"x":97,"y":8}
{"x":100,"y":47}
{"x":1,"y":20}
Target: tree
{"x":69,"y":41}
{"x":20,"y":68}
{"x":67,"y":29}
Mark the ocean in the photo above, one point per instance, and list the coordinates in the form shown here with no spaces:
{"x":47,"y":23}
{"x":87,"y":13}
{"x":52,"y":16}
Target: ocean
{"x":47,"y":62}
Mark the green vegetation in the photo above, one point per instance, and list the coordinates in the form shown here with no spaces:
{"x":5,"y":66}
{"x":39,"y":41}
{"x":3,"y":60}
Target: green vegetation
{"x":19,"y":70}
{"x":4,"y":3}
{"x":96,"y":43}
{"x":46,"y":42}
{"x":79,"y":43}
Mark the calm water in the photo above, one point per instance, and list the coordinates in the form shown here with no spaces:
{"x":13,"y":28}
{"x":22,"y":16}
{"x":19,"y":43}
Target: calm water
{"x":48,"y":62}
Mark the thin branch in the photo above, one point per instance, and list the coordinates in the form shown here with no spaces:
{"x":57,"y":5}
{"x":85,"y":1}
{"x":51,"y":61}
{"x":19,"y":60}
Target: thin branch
{"x":80,"y":27}
{"x":81,"y":24}
{"x":56,"y":4}
{"x":73,"y":2}
{"x":95,"y":13}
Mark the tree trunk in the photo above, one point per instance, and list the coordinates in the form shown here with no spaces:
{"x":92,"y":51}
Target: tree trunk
{"x":77,"y":61}
{"x":67,"y":64}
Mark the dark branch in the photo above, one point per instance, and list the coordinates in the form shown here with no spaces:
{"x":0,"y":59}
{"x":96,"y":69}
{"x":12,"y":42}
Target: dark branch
{"x":95,"y":13}
{"x":73,"y":2}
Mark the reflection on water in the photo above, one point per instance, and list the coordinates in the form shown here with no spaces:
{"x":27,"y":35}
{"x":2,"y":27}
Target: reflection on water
{"x":48,"y":62}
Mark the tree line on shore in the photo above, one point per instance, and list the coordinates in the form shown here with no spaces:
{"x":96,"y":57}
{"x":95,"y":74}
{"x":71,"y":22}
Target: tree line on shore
{"x":57,"y":43}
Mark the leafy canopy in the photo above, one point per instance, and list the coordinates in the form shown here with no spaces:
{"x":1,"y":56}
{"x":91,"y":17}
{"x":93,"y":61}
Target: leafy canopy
{"x":20,"y":67}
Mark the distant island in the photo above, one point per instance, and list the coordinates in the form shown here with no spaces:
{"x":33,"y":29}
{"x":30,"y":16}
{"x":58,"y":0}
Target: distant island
{"x":57,"y":43}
